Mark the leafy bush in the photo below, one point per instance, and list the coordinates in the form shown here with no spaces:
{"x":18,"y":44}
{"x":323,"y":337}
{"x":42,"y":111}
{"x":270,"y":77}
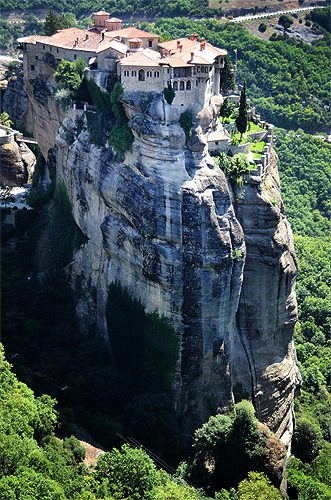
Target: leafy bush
{"x":128,"y":471}
{"x":70,"y":74}
{"x":234,"y":167}
{"x":62,"y":97}
{"x":257,"y":487}
{"x":4,"y":119}
{"x":262,"y":27}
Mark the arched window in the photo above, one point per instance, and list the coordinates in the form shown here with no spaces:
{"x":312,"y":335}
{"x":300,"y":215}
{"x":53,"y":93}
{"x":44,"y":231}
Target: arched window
{"x":141,"y":75}
{"x":149,"y":74}
{"x":175,"y":86}
{"x":182,"y":85}
{"x":188,"y":85}
{"x":156,"y":74}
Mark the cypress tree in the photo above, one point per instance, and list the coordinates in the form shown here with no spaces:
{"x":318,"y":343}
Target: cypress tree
{"x":227,"y":78}
{"x":241,"y":121}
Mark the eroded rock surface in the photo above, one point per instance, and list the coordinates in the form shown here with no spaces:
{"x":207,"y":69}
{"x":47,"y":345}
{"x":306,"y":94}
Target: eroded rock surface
{"x":217,"y":261}
{"x":16,"y":163}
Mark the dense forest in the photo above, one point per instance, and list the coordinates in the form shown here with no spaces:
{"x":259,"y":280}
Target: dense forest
{"x":305,"y":173}
{"x":151,"y":10}
{"x":40,"y":331}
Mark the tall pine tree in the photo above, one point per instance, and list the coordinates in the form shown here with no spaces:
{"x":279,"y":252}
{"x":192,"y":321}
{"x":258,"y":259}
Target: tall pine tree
{"x":241,"y":121}
{"x":50,"y":26}
{"x":227,"y":79}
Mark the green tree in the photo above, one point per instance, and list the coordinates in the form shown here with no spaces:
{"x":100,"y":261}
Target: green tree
{"x":50,"y":26}
{"x":129,"y":471}
{"x":4,"y":119}
{"x":54,"y":23}
{"x":257,"y":487}
{"x":70,"y":74}
{"x":169,"y":93}
{"x":227,"y":75}
{"x":262,"y":27}
{"x":306,"y":440}
{"x":285,"y":21}
{"x":231,"y":443}
{"x":227,"y":109}
{"x":242,"y":119}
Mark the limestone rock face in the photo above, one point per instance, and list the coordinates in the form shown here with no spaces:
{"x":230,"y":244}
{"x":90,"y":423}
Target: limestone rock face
{"x":217,"y":261}
{"x":15,"y":101}
{"x":45,"y":114}
{"x":267,"y":308}
{"x":16,"y":163}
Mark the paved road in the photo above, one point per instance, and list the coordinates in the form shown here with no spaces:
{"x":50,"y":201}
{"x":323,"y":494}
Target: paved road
{"x":268,"y":14}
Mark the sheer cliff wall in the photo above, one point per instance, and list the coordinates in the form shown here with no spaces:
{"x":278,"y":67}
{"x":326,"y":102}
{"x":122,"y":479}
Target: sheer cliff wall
{"x":217,"y":260}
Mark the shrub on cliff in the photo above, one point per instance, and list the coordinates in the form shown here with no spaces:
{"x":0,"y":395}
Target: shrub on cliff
{"x":121,"y":137}
{"x":186,"y":123}
{"x":234,"y":167}
{"x":169,"y":93}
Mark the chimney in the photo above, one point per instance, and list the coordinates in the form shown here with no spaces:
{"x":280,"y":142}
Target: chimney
{"x":178,"y":44}
{"x":77,"y":41}
{"x":192,"y":56}
{"x":86,"y":36}
{"x":203,"y":44}
{"x":194,"y":37}
{"x":102,"y":35}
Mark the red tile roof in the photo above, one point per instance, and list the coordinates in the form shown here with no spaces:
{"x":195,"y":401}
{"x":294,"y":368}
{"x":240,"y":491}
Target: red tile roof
{"x":130,"y":32}
{"x":89,"y":41}
{"x":147,"y":57}
{"x":183,"y":47}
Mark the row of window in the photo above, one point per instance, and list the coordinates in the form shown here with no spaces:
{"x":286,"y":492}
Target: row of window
{"x":142,"y":74}
{"x":182,"y":85}
{"x":50,"y":48}
{"x":204,"y":69}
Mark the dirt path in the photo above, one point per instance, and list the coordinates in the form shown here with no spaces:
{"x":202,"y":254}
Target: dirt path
{"x":92,"y":453}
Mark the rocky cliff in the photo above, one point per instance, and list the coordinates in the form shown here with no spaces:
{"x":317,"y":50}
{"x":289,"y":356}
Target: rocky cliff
{"x":16,"y":103}
{"x":217,"y":260}
{"x":167,"y":224}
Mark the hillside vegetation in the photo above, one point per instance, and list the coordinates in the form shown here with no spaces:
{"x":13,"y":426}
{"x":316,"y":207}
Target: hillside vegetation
{"x":152,"y":10}
{"x":305,"y":173}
